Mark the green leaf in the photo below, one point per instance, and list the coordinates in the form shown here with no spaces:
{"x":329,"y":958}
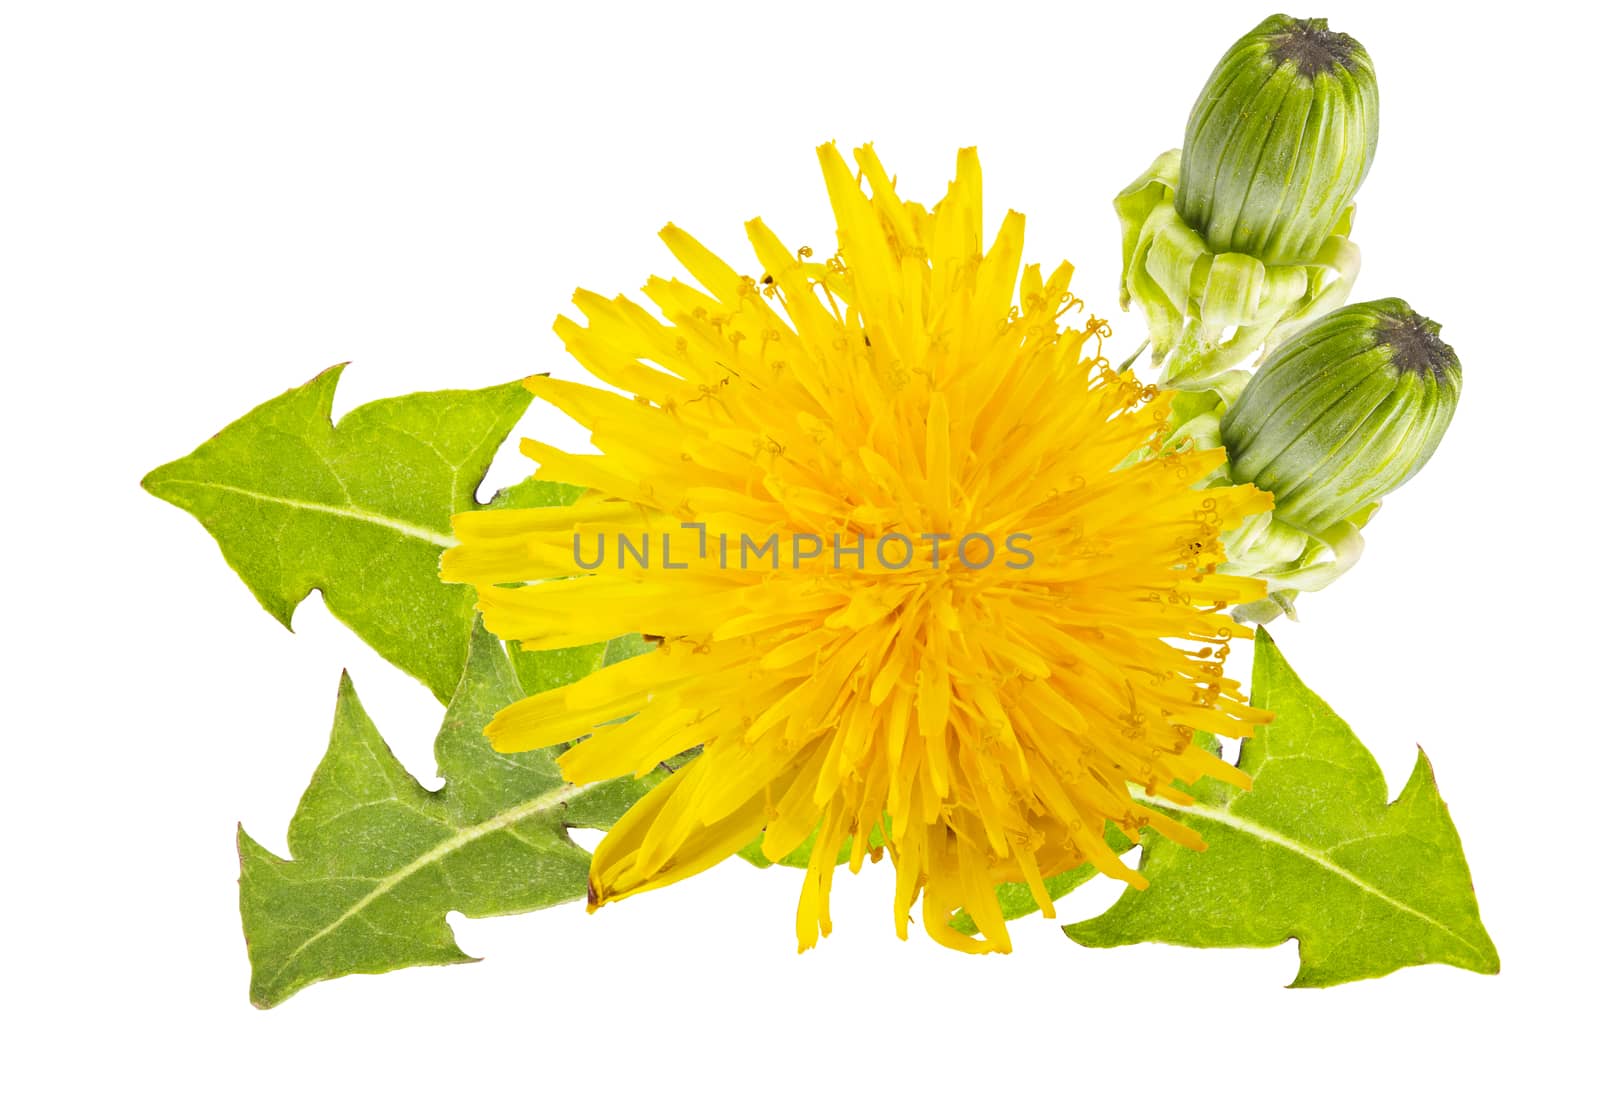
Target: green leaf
{"x":377,"y":860}
{"x":535,"y":493}
{"x":360,"y":510}
{"x":1016,"y":900}
{"x":1314,"y":851}
{"x":547,"y":669}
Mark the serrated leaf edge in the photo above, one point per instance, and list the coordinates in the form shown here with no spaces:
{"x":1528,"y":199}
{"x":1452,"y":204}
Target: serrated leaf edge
{"x":439,"y":851}
{"x":1311,"y":854}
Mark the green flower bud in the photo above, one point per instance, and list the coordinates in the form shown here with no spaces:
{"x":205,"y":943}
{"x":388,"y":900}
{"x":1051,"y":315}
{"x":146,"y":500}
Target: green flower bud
{"x":1348,"y":409}
{"x":1241,"y":236}
{"x":1343,"y":413}
{"x":1279,"y":141}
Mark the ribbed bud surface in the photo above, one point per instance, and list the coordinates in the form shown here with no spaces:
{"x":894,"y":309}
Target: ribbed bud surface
{"x":1344,"y":412}
{"x":1279,"y":141}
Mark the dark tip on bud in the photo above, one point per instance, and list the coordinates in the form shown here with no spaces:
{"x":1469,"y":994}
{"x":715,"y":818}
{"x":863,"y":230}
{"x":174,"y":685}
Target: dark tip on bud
{"x":1311,"y":46}
{"x":1416,"y":346}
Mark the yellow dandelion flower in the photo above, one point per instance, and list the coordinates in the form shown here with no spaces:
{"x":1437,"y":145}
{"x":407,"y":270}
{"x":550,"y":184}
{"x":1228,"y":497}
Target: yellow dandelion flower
{"x":904,"y":557}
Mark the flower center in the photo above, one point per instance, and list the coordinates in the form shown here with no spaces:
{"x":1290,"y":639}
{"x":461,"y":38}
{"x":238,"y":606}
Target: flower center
{"x":1311,"y":46}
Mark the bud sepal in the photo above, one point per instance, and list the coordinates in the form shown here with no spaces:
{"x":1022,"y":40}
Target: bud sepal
{"x":1210,"y":312}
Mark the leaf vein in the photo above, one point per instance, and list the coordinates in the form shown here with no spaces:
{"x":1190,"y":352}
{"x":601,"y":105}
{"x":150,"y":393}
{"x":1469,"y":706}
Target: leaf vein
{"x":348,"y":512}
{"x":1311,"y":854}
{"x":544,"y":802}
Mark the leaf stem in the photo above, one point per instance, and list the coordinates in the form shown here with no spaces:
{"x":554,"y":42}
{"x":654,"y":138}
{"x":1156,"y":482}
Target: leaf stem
{"x":1127,"y":364}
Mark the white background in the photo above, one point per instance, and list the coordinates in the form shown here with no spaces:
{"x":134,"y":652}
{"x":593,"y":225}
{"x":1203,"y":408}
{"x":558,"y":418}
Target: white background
{"x":206,"y":204}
